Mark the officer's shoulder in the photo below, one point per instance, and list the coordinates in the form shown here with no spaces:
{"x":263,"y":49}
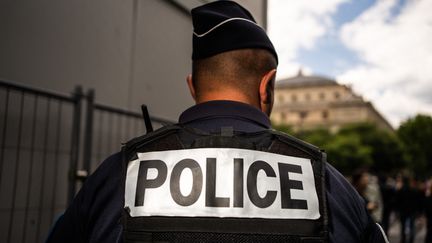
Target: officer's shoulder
{"x":337,"y":183}
{"x":342,"y":197}
{"x":152,"y":136}
{"x":297,"y":143}
{"x":291,"y":139}
{"x":106,"y":172}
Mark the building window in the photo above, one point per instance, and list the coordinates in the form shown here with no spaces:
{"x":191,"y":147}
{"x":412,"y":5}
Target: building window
{"x":336,"y":95}
{"x":303,"y":114}
{"x":307,"y":97}
{"x":324,"y":115}
{"x":281,"y":99}
{"x":322,"y":96}
{"x":294,"y":98}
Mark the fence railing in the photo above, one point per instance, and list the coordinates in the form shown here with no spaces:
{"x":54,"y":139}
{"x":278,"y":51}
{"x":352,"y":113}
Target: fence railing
{"x":43,"y":155}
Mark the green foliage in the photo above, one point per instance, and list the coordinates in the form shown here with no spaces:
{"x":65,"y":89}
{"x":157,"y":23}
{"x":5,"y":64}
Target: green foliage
{"x":319,"y":137}
{"x":359,"y":145}
{"x":347,"y":152}
{"x":364,"y":145}
{"x":283,"y":128}
{"x":387,"y":152}
{"x":416,"y":135}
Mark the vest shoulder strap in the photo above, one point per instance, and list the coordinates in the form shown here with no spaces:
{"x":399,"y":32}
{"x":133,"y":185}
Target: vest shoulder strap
{"x":154,"y":141}
{"x":294,"y":142}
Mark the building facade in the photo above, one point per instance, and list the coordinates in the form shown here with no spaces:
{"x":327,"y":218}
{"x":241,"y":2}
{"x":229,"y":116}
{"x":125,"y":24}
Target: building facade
{"x":310,"y":102}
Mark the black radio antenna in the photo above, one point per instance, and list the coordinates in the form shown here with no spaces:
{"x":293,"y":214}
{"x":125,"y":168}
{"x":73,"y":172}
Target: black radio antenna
{"x":146,"y":117}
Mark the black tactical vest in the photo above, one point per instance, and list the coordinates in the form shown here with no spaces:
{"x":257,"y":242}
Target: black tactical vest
{"x":158,"y":207}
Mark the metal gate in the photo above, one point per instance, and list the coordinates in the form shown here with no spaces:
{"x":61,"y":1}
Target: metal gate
{"x":49,"y":143}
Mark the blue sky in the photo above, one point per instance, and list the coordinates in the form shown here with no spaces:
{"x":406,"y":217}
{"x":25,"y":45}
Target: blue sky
{"x":334,"y":57}
{"x":379,"y":47}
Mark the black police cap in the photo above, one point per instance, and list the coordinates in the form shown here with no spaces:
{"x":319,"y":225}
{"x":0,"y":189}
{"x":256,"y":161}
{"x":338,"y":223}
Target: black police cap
{"x":222,"y":26}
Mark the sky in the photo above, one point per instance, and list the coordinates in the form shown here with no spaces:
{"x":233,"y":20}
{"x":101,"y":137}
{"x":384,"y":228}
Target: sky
{"x":381,"y":48}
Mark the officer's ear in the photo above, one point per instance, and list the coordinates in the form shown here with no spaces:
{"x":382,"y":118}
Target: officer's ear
{"x":266,"y":90}
{"x":189,"y":81}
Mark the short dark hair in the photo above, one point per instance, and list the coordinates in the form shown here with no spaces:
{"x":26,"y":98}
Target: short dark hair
{"x":240,"y":69}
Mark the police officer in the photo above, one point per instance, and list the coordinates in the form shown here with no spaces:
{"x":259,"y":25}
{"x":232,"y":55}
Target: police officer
{"x":221,"y":174}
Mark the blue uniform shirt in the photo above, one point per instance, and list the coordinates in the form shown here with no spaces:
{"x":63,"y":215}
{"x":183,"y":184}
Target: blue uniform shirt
{"x":95,"y":214}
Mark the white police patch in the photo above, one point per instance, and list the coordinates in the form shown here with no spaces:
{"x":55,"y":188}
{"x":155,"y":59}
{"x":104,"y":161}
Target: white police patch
{"x":221,"y":182}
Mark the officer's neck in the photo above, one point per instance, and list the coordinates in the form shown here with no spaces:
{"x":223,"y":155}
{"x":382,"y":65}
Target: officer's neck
{"x":227,"y":95}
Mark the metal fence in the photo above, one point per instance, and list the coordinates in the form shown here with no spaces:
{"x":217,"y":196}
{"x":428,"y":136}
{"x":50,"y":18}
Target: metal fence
{"x":48,"y":144}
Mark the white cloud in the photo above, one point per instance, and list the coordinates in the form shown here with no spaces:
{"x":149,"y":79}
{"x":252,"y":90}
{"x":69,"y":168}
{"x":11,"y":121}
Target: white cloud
{"x":298,"y":24}
{"x":397,"y":71}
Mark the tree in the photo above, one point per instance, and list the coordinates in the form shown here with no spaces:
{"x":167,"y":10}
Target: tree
{"x":387,"y":151}
{"x":416,"y":135}
{"x":345,"y":150}
{"x":358,"y":145}
{"x":318,"y":137}
{"x":347,"y":153}
{"x":284,"y":128}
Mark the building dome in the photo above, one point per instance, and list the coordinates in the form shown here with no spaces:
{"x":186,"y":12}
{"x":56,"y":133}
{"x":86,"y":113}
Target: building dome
{"x":310,"y":102}
{"x":301,"y":81}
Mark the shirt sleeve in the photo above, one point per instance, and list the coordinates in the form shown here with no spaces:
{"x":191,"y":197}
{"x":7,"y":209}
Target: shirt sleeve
{"x":349,"y":220}
{"x":94,"y":213}
{"x":68,"y":227}
{"x":374,"y":233}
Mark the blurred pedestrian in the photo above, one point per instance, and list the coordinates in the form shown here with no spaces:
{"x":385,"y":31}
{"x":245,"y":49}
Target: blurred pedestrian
{"x":373,"y":194}
{"x":387,"y":188}
{"x":361,"y":181}
{"x":407,"y":207}
{"x":428,"y":212}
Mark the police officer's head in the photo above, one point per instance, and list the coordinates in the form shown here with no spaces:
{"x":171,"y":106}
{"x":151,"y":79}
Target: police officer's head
{"x":233,"y":58}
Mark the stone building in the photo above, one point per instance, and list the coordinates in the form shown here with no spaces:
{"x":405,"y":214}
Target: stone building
{"x":308,"y":102}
